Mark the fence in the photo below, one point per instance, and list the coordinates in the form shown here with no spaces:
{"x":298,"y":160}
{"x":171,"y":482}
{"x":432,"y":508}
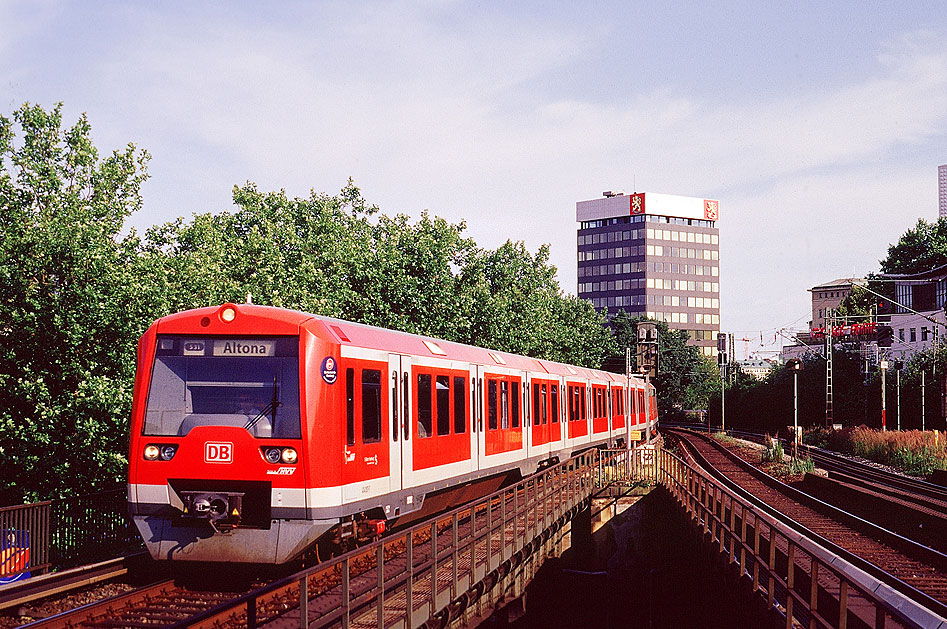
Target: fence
{"x":64,"y":533}
{"x":798,"y":579}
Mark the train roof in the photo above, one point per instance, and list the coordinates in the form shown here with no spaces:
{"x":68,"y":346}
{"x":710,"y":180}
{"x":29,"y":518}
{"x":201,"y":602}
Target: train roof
{"x":372,"y":337}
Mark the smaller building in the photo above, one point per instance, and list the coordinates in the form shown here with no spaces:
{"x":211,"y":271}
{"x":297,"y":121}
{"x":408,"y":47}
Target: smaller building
{"x":926,"y":295}
{"x":758,"y":369}
{"x":829,"y":296}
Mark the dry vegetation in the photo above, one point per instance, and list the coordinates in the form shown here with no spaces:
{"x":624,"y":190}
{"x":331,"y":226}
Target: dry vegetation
{"x":913,"y":451}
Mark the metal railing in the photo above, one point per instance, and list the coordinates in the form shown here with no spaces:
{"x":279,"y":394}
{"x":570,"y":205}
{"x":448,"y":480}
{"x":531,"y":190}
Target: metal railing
{"x":802,"y":581}
{"x":438,"y":569}
{"x":63,"y":533}
{"x":619,"y":466}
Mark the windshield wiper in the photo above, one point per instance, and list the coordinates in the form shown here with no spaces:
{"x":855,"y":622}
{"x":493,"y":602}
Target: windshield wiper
{"x":271,"y":407}
{"x":266,"y":410}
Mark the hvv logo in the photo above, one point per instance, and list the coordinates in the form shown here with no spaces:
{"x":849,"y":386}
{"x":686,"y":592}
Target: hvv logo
{"x":218,"y":452}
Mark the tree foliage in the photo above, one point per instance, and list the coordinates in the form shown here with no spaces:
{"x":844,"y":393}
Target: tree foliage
{"x":919,"y":249}
{"x":77,"y":289}
{"x":70,"y":307}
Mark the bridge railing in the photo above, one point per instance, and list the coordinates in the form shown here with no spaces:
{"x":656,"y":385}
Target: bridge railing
{"x":797,"y":578}
{"x":619,"y":466}
{"x":441,"y":569}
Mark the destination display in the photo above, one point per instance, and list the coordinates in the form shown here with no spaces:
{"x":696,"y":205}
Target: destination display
{"x":241,"y":347}
{"x":247,"y":347}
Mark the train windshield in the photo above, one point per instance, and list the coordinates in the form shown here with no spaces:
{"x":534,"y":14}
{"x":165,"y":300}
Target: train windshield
{"x":250,"y":382}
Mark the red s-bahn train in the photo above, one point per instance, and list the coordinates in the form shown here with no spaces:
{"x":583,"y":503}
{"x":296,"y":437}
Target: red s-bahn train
{"x":258,"y":431}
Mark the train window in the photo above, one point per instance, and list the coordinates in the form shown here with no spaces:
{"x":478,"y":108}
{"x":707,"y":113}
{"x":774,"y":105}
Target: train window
{"x":516,"y":404}
{"x":504,"y":404}
{"x":424,"y":405}
{"x":371,"y":405}
{"x":544,"y":404}
{"x":203,"y":382}
{"x":572,"y":395}
{"x":535,"y":404}
{"x":394,"y":405}
{"x":460,"y":405}
{"x":350,"y":406}
{"x":582,"y":406}
{"x":492,"y":404}
{"x":442,"y":385}
{"x":555,"y":404}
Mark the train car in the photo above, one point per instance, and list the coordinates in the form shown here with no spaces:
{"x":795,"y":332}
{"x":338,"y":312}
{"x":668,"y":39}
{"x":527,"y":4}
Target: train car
{"x":258,"y":431}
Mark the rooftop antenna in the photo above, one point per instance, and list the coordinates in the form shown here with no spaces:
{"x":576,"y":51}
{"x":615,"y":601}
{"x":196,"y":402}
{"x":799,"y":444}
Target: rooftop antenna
{"x":249,"y":298}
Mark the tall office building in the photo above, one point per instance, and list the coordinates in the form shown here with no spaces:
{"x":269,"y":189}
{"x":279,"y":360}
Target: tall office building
{"x":942,"y":187}
{"x":654,"y":255}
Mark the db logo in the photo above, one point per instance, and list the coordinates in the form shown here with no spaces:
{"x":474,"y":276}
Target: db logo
{"x":218,"y":452}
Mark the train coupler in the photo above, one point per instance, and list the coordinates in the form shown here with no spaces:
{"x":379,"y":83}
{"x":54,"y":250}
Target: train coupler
{"x":222,"y":510}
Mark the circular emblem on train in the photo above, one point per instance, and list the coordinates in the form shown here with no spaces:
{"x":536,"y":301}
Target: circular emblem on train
{"x":330,"y":370}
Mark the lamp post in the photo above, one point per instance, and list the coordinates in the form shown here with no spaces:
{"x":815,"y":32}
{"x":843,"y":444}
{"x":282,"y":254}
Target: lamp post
{"x":884,"y":368}
{"x":796,"y":365}
{"x":923,"y":402}
{"x":897,"y":370}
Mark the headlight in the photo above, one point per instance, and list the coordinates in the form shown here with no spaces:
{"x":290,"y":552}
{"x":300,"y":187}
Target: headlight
{"x":160,"y":451}
{"x":289,"y":455}
{"x":272,"y":455}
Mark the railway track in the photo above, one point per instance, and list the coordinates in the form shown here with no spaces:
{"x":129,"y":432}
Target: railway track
{"x":24,"y":592}
{"x":916,"y":571}
{"x":159,"y":604}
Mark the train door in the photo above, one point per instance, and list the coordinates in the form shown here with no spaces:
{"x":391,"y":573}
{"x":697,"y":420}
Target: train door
{"x":556,"y":401}
{"x":476,"y":419}
{"x":399,"y":418}
{"x":366,"y":466}
{"x":480,"y":403}
{"x":539,"y":413}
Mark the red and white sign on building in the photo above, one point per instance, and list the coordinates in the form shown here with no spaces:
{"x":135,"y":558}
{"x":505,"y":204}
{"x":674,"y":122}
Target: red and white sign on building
{"x":710,"y":210}
{"x":637,"y":204}
{"x":618,"y":204}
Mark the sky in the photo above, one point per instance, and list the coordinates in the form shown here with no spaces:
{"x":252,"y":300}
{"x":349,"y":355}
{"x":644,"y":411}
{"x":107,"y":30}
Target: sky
{"x":818,"y":126}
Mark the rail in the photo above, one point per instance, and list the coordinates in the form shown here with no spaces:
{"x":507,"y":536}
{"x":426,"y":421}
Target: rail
{"x":798,"y":579}
{"x":64,"y":533}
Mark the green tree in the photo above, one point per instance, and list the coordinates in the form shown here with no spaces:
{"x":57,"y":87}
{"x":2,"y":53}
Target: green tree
{"x":71,"y":306}
{"x":919,"y":249}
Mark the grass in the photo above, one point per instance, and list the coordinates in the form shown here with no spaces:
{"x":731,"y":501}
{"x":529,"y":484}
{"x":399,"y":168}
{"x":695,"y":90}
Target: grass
{"x":773,"y":453}
{"x":800,"y":466}
{"x":912,"y":451}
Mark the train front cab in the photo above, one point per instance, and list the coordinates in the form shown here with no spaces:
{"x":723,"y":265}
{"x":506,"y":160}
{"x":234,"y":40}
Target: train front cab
{"x":218,"y":461}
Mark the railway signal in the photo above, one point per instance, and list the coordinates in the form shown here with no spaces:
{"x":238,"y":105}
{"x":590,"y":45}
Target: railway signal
{"x":648,"y":365}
